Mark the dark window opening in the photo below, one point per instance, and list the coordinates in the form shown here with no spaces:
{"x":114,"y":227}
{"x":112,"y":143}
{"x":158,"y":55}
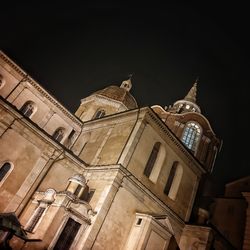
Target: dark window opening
{"x":78,"y":189}
{"x":152,"y":158}
{"x":68,"y":235}
{"x":71,"y":133}
{"x":36,"y":217}
{"x":138,"y":222}
{"x":58,"y":134}
{"x":84,"y":194}
{"x":170,"y":178}
{"x":90,"y":195}
{"x":99,"y":114}
{"x":4,"y":170}
{"x":27,"y":109}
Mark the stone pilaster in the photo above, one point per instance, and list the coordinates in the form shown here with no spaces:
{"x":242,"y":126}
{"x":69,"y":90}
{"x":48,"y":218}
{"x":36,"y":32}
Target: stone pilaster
{"x":25,"y":191}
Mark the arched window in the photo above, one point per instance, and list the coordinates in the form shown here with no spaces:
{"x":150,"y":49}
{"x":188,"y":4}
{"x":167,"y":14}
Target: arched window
{"x":2,"y":81}
{"x":36,"y":218}
{"x":28,"y":108}
{"x":5,"y":168}
{"x":100,"y":113}
{"x":58,"y":134}
{"x":40,"y":211}
{"x":191,"y":135}
{"x":152,"y":158}
{"x":174,"y":180}
{"x":158,"y":164}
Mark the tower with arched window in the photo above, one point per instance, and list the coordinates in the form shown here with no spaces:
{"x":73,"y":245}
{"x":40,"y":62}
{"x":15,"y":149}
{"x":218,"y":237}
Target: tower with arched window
{"x":186,"y":121}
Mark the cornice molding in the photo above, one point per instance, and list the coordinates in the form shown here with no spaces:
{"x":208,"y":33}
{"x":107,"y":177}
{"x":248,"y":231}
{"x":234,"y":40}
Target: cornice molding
{"x":38,"y":87}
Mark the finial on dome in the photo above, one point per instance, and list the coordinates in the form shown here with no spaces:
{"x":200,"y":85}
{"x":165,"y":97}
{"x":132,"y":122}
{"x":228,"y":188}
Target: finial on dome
{"x":127,"y":84}
{"x":191,"y":96}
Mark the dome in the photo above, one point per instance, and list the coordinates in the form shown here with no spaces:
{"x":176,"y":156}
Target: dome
{"x":120,"y":94}
{"x":80,"y":179}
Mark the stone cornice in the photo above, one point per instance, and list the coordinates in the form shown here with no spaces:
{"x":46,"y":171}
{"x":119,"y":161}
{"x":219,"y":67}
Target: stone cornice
{"x":126,"y":178}
{"x":7,"y":60}
{"x":105,"y":100}
{"x":38,"y":87}
{"x":116,"y":118}
{"x":18,"y":117}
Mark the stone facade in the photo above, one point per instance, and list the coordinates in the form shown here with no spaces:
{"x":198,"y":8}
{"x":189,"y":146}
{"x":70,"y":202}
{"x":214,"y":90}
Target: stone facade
{"x":230,"y":213}
{"x":110,"y":176}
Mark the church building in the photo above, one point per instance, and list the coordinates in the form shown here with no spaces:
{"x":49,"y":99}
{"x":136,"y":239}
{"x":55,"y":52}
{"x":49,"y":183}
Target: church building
{"x":110,"y":176}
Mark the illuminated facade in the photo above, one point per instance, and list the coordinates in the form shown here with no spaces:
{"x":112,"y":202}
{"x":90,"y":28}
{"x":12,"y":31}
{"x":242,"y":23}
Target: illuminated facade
{"x":110,"y":176}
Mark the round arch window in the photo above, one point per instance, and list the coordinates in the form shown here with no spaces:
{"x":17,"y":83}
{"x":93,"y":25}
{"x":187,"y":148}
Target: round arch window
{"x":2,"y":81}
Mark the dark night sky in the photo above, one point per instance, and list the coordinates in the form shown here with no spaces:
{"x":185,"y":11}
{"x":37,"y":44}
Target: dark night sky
{"x":75,"y":50}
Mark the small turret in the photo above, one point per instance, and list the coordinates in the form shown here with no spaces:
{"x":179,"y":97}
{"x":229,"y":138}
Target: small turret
{"x":188,"y":104}
{"x":110,"y":100}
{"x":191,"y":96}
{"x":127,"y":84}
{"x":78,"y":186}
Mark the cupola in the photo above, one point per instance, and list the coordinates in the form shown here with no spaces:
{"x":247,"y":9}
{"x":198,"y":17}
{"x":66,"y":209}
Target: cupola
{"x":120,"y":94}
{"x":188,"y":104}
{"x":110,"y":100}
